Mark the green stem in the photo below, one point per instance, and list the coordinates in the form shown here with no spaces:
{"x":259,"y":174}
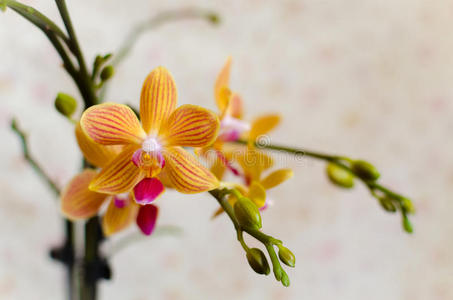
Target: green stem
{"x":35,"y":17}
{"x":84,"y":80}
{"x":295,"y":151}
{"x":28,"y":157}
{"x":335,"y":159}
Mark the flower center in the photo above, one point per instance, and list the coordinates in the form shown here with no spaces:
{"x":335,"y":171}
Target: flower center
{"x":151,"y":145}
{"x":232,"y":128}
{"x":149,"y":157}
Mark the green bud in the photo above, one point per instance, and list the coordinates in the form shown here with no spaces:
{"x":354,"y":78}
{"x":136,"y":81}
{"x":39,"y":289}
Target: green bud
{"x":214,"y":18}
{"x":407,"y":205}
{"x":286,"y":256}
{"x":65,"y":104}
{"x":340,"y":176}
{"x":107,"y":73}
{"x":107,"y":56}
{"x":365,"y":170}
{"x":407,"y":224}
{"x":3,"y":6}
{"x":257,"y":260}
{"x":285,"y":279}
{"x":98,"y":61}
{"x":247,"y":214}
{"x":387,"y":204}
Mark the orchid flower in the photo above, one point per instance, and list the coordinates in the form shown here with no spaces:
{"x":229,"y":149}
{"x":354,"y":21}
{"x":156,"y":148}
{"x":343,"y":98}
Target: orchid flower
{"x":155,"y":144}
{"x":232,"y":125}
{"x":79,"y":202}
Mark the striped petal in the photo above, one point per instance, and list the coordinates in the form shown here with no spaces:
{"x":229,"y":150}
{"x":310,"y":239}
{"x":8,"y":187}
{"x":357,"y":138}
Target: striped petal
{"x":190,"y":126}
{"x":221,"y":89}
{"x":163,"y":177}
{"x":119,"y":176}
{"x":118,"y":218}
{"x":77,"y":201}
{"x":254,"y":162}
{"x":158,"y":99}
{"x":147,"y":217}
{"x":97,"y":154}
{"x":263,"y":125}
{"x":186,"y":174}
{"x":218,"y":168}
{"x":112,"y":124}
{"x":276,"y":178}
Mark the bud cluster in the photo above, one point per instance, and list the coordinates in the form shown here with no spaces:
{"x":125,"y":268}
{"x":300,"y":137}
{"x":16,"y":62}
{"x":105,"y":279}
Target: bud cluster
{"x":248,"y":219}
{"x":342,"y":172}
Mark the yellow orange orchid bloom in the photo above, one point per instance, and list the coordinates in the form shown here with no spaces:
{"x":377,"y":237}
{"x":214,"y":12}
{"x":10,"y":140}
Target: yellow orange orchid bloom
{"x":153,"y":145}
{"x":232,"y":125}
{"x":79,"y":202}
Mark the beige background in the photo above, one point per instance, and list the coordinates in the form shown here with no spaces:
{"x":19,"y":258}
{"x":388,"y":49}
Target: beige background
{"x":369,"y":79}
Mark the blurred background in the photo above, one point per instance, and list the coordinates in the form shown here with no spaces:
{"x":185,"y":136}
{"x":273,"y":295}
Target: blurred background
{"x":368,"y":79}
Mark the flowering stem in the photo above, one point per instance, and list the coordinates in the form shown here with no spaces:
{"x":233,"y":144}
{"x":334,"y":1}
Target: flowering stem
{"x":344,"y":163}
{"x":335,"y":159}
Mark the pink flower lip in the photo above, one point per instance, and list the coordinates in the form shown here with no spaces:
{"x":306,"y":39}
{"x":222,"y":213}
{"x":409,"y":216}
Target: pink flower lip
{"x":147,"y":190}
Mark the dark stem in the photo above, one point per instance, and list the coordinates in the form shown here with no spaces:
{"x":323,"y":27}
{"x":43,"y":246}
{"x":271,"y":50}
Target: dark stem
{"x":94,"y":265}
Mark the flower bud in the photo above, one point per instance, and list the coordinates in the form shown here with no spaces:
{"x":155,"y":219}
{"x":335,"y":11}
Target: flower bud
{"x":365,"y":170}
{"x":286,"y":256}
{"x":285,"y":279}
{"x":107,"y":73}
{"x":247,"y":214}
{"x":387,"y":204}
{"x":98,"y":61}
{"x":340,"y":176}
{"x":65,"y":104}
{"x":214,"y":18}
{"x":407,"y":206}
{"x":407,"y":224}
{"x":257,"y":260}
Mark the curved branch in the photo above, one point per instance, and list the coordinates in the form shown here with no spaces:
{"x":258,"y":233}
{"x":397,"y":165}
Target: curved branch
{"x":35,"y":17}
{"x":26,"y":152}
